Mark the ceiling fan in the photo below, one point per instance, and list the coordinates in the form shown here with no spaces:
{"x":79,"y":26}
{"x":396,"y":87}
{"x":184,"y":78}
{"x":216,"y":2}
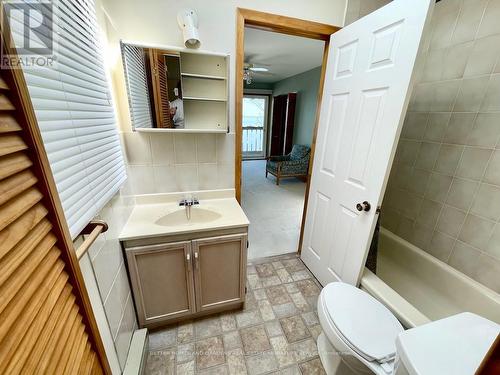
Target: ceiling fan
{"x":249,"y":69}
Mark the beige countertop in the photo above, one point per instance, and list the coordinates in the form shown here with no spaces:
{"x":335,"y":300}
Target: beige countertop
{"x":149,"y":214}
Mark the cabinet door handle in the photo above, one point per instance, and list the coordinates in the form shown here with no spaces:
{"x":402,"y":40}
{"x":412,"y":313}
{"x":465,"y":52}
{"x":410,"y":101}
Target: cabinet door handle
{"x":188,"y":262}
{"x":196,"y":259}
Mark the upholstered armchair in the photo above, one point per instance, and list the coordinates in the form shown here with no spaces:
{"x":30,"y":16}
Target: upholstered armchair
{"x":295,"y":164}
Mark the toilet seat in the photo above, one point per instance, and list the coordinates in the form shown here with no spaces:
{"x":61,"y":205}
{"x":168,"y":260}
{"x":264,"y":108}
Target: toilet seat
{"x":362,"y":322}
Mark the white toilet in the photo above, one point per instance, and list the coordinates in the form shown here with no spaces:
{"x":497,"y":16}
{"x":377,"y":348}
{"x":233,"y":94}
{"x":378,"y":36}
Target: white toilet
{"x":360,"y":336}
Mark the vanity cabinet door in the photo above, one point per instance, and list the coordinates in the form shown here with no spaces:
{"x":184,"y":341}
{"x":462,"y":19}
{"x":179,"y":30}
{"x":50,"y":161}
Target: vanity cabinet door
{"x":162,"y":281}
{"x":219,"y":271}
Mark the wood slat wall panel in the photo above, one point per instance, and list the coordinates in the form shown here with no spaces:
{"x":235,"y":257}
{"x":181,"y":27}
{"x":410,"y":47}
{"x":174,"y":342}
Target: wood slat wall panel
{"x":20,"y":315}
{"x":8,"y":122}
{"x":5,"y":103}
{"x":50,"y":329}
{"x":69,"y":353}
{"x":20,"y":228}
{"x":56,"y":341}
{"x":17,"y":206}
{"x":12,"y":186}
{"x":25,"y":247}
{"x":10,"y":144}
{"x":79,"y":355}
{"x":25,"y":348}
{"x":46,"y":321}
{"x":85,"y":357}
{"x":63,"y":347}
{"x":13,"y":163}
{"x":23,"y":273}
{"x":3,"y":84}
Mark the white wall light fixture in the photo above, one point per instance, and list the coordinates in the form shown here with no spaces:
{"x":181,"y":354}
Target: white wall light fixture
{"x":188,"y":22}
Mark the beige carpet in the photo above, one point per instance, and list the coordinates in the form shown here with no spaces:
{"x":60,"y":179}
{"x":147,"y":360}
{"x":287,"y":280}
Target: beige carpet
{"x":275,"y":212}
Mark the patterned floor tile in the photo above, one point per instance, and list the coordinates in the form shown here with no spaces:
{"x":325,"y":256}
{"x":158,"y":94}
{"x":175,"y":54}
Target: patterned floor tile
{"x":277,"y":295}
{"x":162,"y":339}
{"x":312,"y":367}
{"x":307,"y":287}
{"x":228,"y":322}
{"x":273,"y":328}
{"x":265,"y":270}
{"x":255,"y":340}
{"x":187,"y":368}
{"x":275,"y":332}
{"x":310,"y":318}
{"x":161,"y":362}
{"x":261,"y":363}
{"x":248,"y":318}
{"x":293,"y":265}
{"x":232,"y":340}
{"x":236,"y":362}
{"x":207,"y":327}
{"x":209,"y":352}
{"x":185,"y":352}
{"x":185,"y":332}
{"x":294,"y":328}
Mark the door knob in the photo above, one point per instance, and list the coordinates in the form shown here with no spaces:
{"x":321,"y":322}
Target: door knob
{"x":365,"y":206}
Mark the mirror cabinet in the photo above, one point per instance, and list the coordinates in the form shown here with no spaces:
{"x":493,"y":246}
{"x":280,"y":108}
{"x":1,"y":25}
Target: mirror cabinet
{"x":176,"y":90}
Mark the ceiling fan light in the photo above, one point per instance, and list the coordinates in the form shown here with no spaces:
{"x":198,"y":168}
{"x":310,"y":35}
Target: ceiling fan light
{"x":259,"y":69}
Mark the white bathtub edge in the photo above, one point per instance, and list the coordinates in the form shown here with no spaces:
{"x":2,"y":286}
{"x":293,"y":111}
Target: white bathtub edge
{"x":476,"y":285}
{"x":406,"y":313}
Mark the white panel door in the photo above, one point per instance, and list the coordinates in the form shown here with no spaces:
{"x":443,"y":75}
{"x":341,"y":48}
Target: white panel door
{"x":366,"y":92}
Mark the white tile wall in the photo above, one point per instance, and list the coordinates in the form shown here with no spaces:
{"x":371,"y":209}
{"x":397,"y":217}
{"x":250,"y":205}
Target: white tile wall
{"x":110,"y":273}
{"x":444,"y":191}
{"x":163,"y":163}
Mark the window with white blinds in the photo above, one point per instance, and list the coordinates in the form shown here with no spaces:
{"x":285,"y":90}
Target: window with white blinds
{"x":73,"y":107}
{"x":137,"y":86}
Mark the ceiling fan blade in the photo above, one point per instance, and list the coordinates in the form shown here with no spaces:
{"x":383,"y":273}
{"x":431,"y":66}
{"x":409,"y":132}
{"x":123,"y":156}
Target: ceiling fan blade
{"x":258,"y":69}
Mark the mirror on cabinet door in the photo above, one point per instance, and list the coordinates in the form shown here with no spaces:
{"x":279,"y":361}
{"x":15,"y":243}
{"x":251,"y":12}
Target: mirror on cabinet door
{"x":176,"y":90}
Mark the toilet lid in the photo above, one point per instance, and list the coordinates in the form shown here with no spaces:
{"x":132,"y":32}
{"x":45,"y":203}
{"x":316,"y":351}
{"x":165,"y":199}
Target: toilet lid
{"x":368,"y":326}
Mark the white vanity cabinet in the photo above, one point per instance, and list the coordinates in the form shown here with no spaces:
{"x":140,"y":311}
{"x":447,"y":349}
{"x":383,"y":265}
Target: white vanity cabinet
{"x":176,"y":277}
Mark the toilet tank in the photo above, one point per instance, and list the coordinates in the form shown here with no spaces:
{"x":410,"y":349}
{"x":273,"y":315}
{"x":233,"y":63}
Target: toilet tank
{"x":454,"y":345}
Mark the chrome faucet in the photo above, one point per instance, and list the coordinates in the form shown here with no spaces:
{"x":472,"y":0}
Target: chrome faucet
{"x":188,"y":202}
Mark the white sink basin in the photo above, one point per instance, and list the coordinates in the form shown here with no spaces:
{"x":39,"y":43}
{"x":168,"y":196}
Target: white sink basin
{"x":178,"y":217}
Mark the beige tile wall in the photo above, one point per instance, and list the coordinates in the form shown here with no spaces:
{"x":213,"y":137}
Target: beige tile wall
{"x":111,"y":276}
{"x":359,"y":8}
{"x":166,"y":162}
{"x":444,"y":191}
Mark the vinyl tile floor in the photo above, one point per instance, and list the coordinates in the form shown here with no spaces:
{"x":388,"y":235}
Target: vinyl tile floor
{"x":275,"y":212}
{"x":275,"y":332}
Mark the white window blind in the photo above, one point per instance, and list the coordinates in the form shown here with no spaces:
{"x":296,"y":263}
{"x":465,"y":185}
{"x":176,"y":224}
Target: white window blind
{"x":73,"y":107}
{"x":137,"y":86}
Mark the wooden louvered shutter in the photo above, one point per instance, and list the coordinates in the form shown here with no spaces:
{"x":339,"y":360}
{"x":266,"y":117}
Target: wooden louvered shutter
{"x":160,"y":89}
{"x":46,"y":320}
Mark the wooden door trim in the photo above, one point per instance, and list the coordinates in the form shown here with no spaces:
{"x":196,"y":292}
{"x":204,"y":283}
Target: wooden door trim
{"x":283,"y":25}
{"x":21,"y":100}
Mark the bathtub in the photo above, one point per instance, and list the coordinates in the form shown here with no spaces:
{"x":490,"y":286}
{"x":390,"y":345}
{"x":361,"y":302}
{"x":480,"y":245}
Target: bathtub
{"x":419,"y":288}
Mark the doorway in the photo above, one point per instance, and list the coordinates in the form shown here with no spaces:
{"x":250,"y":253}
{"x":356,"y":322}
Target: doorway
{"x":255,"y":120}
{"x":254,"y":138}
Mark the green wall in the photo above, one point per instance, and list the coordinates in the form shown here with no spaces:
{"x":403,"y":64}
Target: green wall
{"x":259,"y":86}
{"x":306,"y":86}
